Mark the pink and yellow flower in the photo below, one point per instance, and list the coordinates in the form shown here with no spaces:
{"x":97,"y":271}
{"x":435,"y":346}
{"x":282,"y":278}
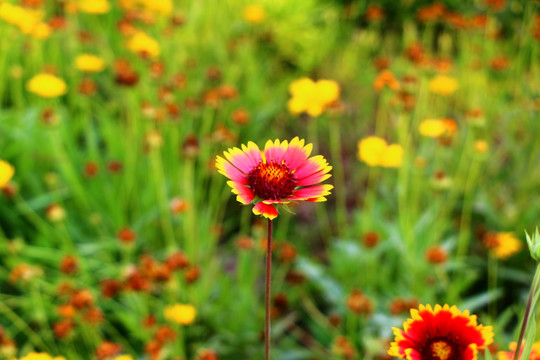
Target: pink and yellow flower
{"x":440,"y":333}
{"x":283,"y":172}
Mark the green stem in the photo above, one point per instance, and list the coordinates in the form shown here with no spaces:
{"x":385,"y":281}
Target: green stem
{"x":528,"y":311}
{"x":341,"y":196}
{"x":267,"y":292}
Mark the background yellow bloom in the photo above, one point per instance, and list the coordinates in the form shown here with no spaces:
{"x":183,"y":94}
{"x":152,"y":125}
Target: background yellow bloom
{"x":183,"y":314}
{"x":433,"y":128}
{"x":443,"y":85}
{"x":393,"y":156}
{"x":371,"y":150}
{"x":142,"y":43}
{"x":94,"y":6}
{"x":254,"y":14}
{"x":6,"y":173}
{"x":312,"y":97}
{"x":89,"y":63}
{"x":46,"y":85}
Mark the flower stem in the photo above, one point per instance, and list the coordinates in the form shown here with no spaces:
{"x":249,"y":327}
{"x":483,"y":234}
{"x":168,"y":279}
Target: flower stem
{"x":267,"y":292}
{"x":528,"y":310}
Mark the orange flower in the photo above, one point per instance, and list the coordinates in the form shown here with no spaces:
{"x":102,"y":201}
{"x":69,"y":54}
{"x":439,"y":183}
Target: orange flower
{"x":386,"y":78}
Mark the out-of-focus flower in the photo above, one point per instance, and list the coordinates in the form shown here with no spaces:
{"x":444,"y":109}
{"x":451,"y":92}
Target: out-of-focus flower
{"x":443,"y":85}
{"x":282,"y":173}
{"x":69,"y":265}
{"x":502,"y":245}
{"x":436,"y":128}
{"x":6,"y":173}
{"x":509,"y":355}
{"x":24,"y":272}
{"x":107,"y":349}
{"x":343,"y":348}
{"x":240,"y":116}
{"x":89,"y":63}
{"x":41,"y":356}
{"x":481,"y":146}
{"x":94,"y":6}
{"x":46,"y":85}
{"x":55,"y":213}
{"x":143,"y":44}
{"x":312,"y":97}
{"x":123,"y":357}
{"x":28,"y":21}
{"x":359,"y":303}
{"x":386,"y":78}
{"x":497,"y":5}
{"x":254,"y":14}
{"x":370,"y":239}
{"x":178,"y":205}
{"x":499,"y":63}
{"x":374,"y":151}
{"x":440,"y":333}
{"x":374,"y":12}
{"x":436,"y":255}
{"x":400,"y":305}
{"x":126,"y":235}
{"x":183,"y":314}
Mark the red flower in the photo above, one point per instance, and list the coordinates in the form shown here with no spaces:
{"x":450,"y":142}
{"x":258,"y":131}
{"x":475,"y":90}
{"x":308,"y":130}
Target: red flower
{"x":440,"y":333}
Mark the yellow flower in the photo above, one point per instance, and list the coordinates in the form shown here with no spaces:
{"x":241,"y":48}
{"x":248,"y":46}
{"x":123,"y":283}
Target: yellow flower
{"x":183,"y":314}
{"x":29,"y":22}
{"x":374,"y":151}
{"x":123,"y":357}
{"x":41,"y":356}
{"x":393,"y":156}
{"x":46,"y":85}
{"x":6,"y":173}
{"x":443,"y":85}
{"x":312,"y":97}
{"x":432,"y":128}
{"x":89,"y":63}
{"x":94,"y":6}
{"x":163,"y":7}
{"x":371,"y":150}
{"x":41,"y":31}
{"x":141,"y":43}
{"x":502,"y":245}
{"x":254,"y":14}
{"x":481,"y":146}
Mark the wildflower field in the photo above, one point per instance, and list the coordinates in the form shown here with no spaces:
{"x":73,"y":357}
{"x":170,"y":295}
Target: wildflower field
{"x":269,"y":179}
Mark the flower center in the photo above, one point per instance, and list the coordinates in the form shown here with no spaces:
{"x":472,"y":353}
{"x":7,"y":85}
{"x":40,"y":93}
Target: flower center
{"x":441,"y":350}
{"x":271,"y":181}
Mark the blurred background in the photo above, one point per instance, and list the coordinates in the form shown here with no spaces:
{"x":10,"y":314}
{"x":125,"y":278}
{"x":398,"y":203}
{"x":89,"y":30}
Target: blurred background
{"x":119,"y":239}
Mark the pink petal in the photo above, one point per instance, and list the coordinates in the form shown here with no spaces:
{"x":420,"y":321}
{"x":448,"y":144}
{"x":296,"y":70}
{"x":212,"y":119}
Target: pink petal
{"x":310,"y":167}
{"x":245,"y":160}
{"x":315,"y":178}
{"x":274,"y":151}
{"x":226,"y":168}
{"x":297,"y":153}
{"x":245,"y":195}
{"x":311,"y":192}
